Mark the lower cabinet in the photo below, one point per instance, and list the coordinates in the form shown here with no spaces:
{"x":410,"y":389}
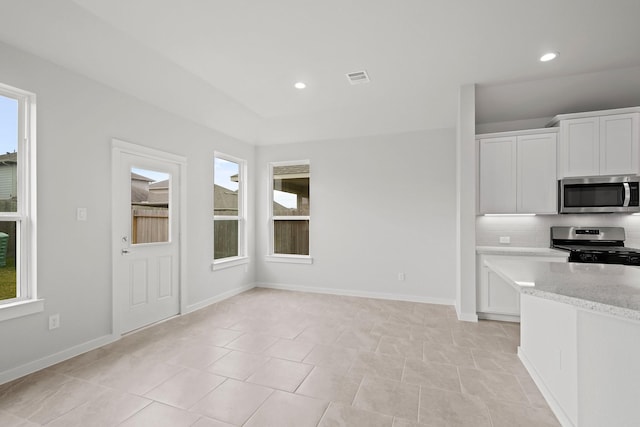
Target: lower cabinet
{"x":585,"y":363}
{"x":497,"y":299}
{"x":548,"y":335}
{"x":608,"y":370}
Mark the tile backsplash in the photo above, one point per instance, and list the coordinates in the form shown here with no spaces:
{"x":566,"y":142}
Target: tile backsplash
{"x":534,"y":231}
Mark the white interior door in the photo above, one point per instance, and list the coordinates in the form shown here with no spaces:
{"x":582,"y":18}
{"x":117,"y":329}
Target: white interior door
{"x":146,"y":239}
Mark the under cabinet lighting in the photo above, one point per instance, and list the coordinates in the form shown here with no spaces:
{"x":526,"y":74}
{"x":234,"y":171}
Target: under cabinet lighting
{"x":300,"y":85}
{"x":529,"y":284}
{"x":636,"y":214}
{"x":520,"y":214}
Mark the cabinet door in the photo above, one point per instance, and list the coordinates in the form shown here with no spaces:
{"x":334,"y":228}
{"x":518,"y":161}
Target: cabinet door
{"x":548,"y":342}
{"x":536,"y":166}
{"x":619,"y":141}
{"x":579,"y":147}
{"x":498,"y":175}
{"x":499,"y":296}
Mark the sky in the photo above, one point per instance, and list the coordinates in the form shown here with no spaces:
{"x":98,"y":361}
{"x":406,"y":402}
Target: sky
{"x":223,"y":171}
{"x":8,"y":125}
{"x":155,"y":176}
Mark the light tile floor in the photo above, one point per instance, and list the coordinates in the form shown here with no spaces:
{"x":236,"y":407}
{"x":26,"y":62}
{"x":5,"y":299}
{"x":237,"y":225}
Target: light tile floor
{"x":275,"y":358}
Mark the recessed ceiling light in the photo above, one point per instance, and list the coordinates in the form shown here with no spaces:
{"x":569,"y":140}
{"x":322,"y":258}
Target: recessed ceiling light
{"x":299,"y":85}
{"x":549,"y":56}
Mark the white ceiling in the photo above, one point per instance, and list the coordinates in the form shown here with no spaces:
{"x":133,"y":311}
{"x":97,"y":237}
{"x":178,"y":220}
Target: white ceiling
{"x":231,"y":65}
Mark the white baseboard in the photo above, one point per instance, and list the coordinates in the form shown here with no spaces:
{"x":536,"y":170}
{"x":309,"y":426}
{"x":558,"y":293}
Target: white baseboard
{"x":466,"y":317}
{"x":352,"y":293}
{"x":45,"y":362}
{"x":202,"y":304}
{"x":499,"y":317}
{"x":553,"y":403}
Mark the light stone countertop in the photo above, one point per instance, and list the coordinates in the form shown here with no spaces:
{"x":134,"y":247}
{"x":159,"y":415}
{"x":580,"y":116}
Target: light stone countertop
{"x":522,"y":251}
{"x":606,"y":288}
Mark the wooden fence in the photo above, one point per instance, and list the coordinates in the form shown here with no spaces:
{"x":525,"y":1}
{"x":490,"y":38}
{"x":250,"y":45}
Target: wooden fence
{"x":149,"y":224}
{"x":291,"y":237}
{"x":225,"y":239}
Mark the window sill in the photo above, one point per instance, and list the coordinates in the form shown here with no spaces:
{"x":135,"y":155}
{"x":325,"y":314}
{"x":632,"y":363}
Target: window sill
{"x":21,"y":308}
{"x":221,"y":264}
{"x":291,"y":259}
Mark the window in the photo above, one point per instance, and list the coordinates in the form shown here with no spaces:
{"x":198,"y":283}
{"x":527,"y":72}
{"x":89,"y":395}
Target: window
{"x":17,"y":204}
{"x":290,"y":210}
{"x":229,"y":188}
{"x":150,"y":206}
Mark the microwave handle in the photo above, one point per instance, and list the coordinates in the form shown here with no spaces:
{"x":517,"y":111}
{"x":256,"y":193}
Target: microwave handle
{"x":627,"y":194}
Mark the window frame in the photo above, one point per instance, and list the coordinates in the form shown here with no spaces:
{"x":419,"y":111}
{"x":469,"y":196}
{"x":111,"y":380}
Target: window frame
{"x":25,"y":216}
{"x":242,"y":257}
{"x":272,"y":256}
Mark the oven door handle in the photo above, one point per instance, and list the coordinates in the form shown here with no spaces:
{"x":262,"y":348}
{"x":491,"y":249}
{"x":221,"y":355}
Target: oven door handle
{"x":627,"y":194}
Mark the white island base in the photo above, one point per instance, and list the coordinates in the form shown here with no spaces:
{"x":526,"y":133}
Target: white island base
{"x":584,"y":358}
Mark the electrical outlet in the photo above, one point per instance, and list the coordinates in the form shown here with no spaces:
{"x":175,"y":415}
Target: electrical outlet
{"x":401,"y":277}
{"x":505,"y":239}
{"x":81,"y":214}
{"x":54,"y":321}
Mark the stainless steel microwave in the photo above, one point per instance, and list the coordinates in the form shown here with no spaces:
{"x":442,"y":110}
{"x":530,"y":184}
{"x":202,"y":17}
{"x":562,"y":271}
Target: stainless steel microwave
{"x":599,"y":194}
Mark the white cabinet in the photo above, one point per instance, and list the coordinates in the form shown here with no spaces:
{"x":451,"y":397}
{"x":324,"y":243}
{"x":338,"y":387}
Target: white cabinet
{"x":498,"y":162}
{"x":536,"y":178}
{"x":602,"y":145}
{"x":548,"y":342}
{"x":563,"y":346}
{"x":608,"y":370}
{"x":496,"y":298}
{"x":517,"y":173}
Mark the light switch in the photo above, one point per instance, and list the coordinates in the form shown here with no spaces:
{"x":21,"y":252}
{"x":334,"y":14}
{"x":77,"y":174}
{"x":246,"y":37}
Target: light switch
{"x":81,"y":214}
{"x":505,"y":239}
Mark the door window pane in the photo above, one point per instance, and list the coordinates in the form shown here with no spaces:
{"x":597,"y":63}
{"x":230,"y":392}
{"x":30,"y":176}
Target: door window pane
{"x":8,"y":154}
{"x":8,"y":279}
{"x":150,"y":208}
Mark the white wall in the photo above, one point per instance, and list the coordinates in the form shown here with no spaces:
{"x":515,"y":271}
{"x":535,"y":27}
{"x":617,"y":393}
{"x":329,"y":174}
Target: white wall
{"x":466,"y":166}
{"x":77,"y":118}
{"x":379,"y":206}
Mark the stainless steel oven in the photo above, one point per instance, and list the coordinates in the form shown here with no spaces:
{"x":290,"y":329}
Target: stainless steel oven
{"x":599,"y":194}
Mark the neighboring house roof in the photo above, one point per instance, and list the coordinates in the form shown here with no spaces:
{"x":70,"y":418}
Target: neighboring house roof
{"x":137,"y":177}
{"x":291,"y":171}
{"x":139,"y":188}
{"x":225,"y":201}
{"x":139,"y":195}
{"x":9,"y":158}
{"x":159,"y":185}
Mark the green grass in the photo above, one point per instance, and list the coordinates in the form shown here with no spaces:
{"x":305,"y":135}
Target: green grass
{"x":8,"y":280}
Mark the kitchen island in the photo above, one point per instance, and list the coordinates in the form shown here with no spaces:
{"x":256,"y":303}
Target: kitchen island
{"x":580,"y":337}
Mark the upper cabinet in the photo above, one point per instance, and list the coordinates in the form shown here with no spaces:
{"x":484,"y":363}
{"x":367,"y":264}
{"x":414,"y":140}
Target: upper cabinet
{"x":598,"y":145}
{"x":537,"y":186}
{"x":517,"y":172}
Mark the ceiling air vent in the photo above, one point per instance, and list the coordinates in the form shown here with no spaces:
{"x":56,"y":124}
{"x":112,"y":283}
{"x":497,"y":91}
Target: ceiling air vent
{"x":358,"y":77}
